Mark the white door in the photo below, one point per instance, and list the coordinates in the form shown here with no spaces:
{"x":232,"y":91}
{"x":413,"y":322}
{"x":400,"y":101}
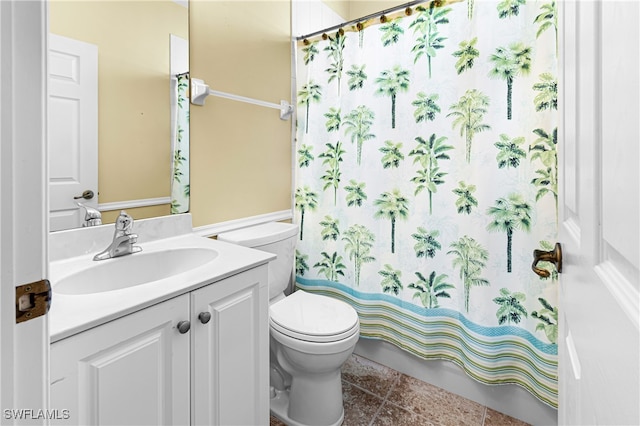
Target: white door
{"x":599,"y":164}
{"x":24,"y":347}
{"x":73,"y":129}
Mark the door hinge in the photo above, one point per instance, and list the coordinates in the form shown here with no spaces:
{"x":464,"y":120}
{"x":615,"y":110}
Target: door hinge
{"x":32,"y":300}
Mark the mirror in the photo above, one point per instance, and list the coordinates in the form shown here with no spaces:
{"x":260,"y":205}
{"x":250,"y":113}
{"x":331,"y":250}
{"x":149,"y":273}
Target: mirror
{"x":136,"y":124}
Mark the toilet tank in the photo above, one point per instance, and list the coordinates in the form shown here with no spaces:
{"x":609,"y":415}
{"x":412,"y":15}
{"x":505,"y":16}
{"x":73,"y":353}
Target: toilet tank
{"x":273,"y":237}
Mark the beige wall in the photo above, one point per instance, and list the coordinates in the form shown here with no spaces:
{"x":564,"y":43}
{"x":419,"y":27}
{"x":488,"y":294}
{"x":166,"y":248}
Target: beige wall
{"x":240,"y":153}
{"x":134,"y":112}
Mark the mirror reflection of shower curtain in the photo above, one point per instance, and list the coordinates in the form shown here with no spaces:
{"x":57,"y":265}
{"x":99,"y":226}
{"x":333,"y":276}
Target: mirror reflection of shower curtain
{"x":427,"y":174}
{"x":180,"y":143}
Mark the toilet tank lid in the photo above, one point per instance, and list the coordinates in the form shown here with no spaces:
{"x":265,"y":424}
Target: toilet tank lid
{"x":259,"y":235}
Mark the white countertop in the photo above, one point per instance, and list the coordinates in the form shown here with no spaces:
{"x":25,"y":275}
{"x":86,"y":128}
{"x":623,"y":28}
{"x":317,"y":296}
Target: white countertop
{"x":71,"y":314}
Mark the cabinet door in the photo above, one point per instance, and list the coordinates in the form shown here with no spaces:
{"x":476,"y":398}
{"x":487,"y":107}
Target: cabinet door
{"x":130,"y":371}
{"x":230,"y":377}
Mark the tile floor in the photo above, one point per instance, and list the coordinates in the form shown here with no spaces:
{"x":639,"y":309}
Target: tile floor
{"x":375,"y":395}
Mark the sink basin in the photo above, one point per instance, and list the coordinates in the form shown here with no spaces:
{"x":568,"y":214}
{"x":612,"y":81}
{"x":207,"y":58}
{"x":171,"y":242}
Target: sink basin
{"x":132,"y":270}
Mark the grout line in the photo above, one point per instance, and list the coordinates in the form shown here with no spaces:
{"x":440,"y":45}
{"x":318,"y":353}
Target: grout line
{"x":360,"y":388}
{"x":370,"y":393}
{"x":393,"y":386}
{"x":384,"y":400}
{"x":375,"y":415}
{"x":484,"y":415}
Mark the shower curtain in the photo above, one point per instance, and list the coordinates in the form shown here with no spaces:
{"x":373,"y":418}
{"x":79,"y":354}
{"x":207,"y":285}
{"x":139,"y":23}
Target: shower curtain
{"x":426,"y":176}
{"x":180,"y":143}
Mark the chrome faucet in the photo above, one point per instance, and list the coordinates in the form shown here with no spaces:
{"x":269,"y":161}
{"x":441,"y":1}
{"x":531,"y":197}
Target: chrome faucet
{"x":123,"y":239}
{"x":92,"y":217}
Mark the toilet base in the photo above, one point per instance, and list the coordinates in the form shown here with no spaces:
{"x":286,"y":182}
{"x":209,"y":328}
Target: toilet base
{"x":279,"y":405}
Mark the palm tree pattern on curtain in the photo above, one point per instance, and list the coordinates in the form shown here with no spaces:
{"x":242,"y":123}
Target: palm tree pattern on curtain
{"x":427,"y":174}
{"x":180,"y":187}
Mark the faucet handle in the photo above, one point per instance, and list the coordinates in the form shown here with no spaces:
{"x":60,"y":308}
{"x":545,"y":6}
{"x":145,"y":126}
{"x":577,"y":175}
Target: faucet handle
{"x":124,"y":223}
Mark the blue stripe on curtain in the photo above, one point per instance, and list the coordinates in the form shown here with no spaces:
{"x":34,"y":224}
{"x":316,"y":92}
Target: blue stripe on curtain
{"x":483,"y":352}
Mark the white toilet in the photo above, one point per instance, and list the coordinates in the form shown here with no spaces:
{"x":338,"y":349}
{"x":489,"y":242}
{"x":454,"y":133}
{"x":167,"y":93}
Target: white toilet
{"x":311,"y":335}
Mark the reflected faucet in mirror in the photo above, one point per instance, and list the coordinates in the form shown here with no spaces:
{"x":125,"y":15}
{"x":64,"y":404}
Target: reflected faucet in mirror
{"x":92,"y":217}
{"x":123,"y":240}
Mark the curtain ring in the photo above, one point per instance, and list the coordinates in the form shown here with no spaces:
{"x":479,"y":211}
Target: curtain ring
{"x":359,"y":26}
{"x":408,"y":11}
{"x":383,"y":19}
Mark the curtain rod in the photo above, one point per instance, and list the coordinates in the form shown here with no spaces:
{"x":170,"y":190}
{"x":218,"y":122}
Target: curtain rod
{"x":370,"y":16}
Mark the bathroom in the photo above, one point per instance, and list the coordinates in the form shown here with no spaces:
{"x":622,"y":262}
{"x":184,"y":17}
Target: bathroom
{"x":229,"y":41}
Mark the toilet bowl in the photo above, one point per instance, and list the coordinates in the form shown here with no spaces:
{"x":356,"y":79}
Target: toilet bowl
{"x":314,"y":335}
{"x":311,"y":336}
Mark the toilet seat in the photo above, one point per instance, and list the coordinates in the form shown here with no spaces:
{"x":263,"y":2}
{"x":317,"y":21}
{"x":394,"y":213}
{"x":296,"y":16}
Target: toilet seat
{"x":313,"y":318}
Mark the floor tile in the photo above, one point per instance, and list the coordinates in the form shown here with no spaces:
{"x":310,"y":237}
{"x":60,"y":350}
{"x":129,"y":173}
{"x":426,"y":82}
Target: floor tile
{"x":274,"y":421}
{"x":369,"y":375}
{"x":392,"y":415}
{"x":437,"y":405}
{"x":376,"y":395}
{"x":494,"y":418}
{"x":359,"y":406}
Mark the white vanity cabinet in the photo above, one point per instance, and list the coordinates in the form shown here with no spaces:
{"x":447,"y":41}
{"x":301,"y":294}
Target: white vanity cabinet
{"x":133,"y":370}
{"x":142,"y":369}
{"x":230,"y":353}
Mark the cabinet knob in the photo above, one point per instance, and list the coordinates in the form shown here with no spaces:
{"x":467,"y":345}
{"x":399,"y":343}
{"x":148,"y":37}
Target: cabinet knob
{"x":184,"y":326}
{"x":204,"y":317}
